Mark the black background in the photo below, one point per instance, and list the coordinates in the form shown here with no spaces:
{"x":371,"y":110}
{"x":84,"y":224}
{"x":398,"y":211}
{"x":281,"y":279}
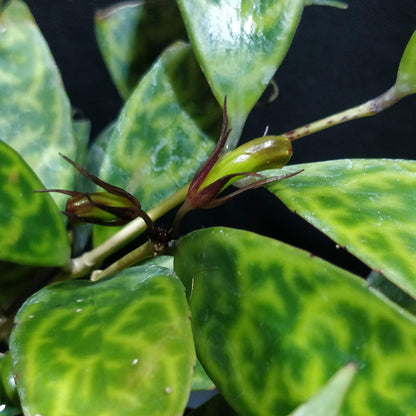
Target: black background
{"x":338,"y":59}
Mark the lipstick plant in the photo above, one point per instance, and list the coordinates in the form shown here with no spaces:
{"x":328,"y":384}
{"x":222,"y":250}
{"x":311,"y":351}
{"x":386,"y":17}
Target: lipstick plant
{"x":106,"y":310}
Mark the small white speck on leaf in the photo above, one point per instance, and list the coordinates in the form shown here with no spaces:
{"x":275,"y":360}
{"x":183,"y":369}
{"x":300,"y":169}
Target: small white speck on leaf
{"x":168,"y":390}
{"x":78,"y":310}
{"x":135,"y":361}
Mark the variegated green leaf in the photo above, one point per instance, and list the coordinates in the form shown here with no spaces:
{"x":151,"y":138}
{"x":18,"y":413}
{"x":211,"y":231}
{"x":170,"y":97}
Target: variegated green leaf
{"x":132,"y":35}
{"x":32,"y":230}
{"x":35,"y":114}
{"x":120,"y":346}
{"x":276,"y":323}
{"x":164,"y":133}
{"x":366,"y":206}
{"x":240,"y":44}
{"x":329,"y":400}
{"x":406,"y":76}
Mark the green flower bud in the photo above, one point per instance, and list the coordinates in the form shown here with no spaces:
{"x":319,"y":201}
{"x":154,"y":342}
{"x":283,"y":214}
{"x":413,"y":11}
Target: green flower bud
{"x":268,"y":152}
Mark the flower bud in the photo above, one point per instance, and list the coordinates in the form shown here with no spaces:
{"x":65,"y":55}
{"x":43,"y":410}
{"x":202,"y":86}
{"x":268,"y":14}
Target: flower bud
{"x":268,"y":152}
{"x":100,"y":208}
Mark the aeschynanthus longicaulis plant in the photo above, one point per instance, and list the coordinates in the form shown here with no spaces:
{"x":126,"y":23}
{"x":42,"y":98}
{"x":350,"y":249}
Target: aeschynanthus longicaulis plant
{"x":221,"y":170}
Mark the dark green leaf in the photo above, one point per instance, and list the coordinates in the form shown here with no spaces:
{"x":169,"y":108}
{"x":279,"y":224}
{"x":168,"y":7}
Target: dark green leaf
{"x":132,"y":35}
{"x":33,"y":231}
{"x":366,"y":206}
{"x":276,"y":323}
{"x":120,"y":346}
{"x":35,"y":114}
{"x":164,"y":133}
{"x":239,"y":45}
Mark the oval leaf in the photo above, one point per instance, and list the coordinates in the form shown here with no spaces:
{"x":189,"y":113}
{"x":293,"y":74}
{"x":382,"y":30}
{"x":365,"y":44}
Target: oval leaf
{"x":366,"y":206}
{"x":35,"y":114}
{"x":164,"y":133}
{"x":33,"y":231}
{"x":276,"y":323}
{"x":132,"y":35}
{"x":239,"y":45}
{"x":121,"y":346}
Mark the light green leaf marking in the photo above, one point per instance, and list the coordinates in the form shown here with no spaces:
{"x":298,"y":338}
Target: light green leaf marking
{"x":121,"y":346}
{"x":132,"y":35}
{"x":406,"y":76}
{"x":164,"y":133}
{"x":35,"y":114}
{"x":275,"y":323}
{"x":32,"y":230}
{"x":365,"y":205}
{"x":329,"y":399}
{"x":239,"y":45}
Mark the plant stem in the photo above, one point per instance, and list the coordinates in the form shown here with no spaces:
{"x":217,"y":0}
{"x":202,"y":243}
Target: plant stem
{"x":369,"y":108}
{"x":83,"y":264}
{"x":142,"y":252}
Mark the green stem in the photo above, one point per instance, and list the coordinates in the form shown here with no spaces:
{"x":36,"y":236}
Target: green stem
{"x":367,"y":109}
{"x":142,"y":252}
{"x":88,"y":261}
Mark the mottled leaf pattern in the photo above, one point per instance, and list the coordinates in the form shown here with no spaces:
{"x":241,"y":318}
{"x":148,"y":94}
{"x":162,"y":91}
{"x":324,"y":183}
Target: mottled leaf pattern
{"x":240,"y":44}
{"x":276,"y":323}
{"x":35,"y":114}
{"x":32,"y":230}
{"x":132,"y":35}
{"x":366,"y":206}
{"x":164,"y":133}
{"x":120,"y":346}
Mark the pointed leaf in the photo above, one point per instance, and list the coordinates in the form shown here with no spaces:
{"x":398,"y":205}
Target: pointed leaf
{"x":132,"y":35}
{"x":276,"y":323}
{"x":239,"y":45}
{"x":366,"y":206}
{"x":329,"y":399}
{"x":35,"y":114}
{"x":33,"y":231}
{"x":121,"y":346}
{"x":164,"y":133}
{"x":406,"y":76}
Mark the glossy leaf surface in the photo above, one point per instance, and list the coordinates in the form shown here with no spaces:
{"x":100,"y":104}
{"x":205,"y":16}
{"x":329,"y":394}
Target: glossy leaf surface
{"x":366,"y":206}
{"x":276,"y":323}
{"x":132,"y":35}
{"x":120,"y":346}
{"x":32,"y":230}
{"x":406,"y":76}
{"x":164,"y":133}
{"x":35,"y":114}
{"x":240,"y":44}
